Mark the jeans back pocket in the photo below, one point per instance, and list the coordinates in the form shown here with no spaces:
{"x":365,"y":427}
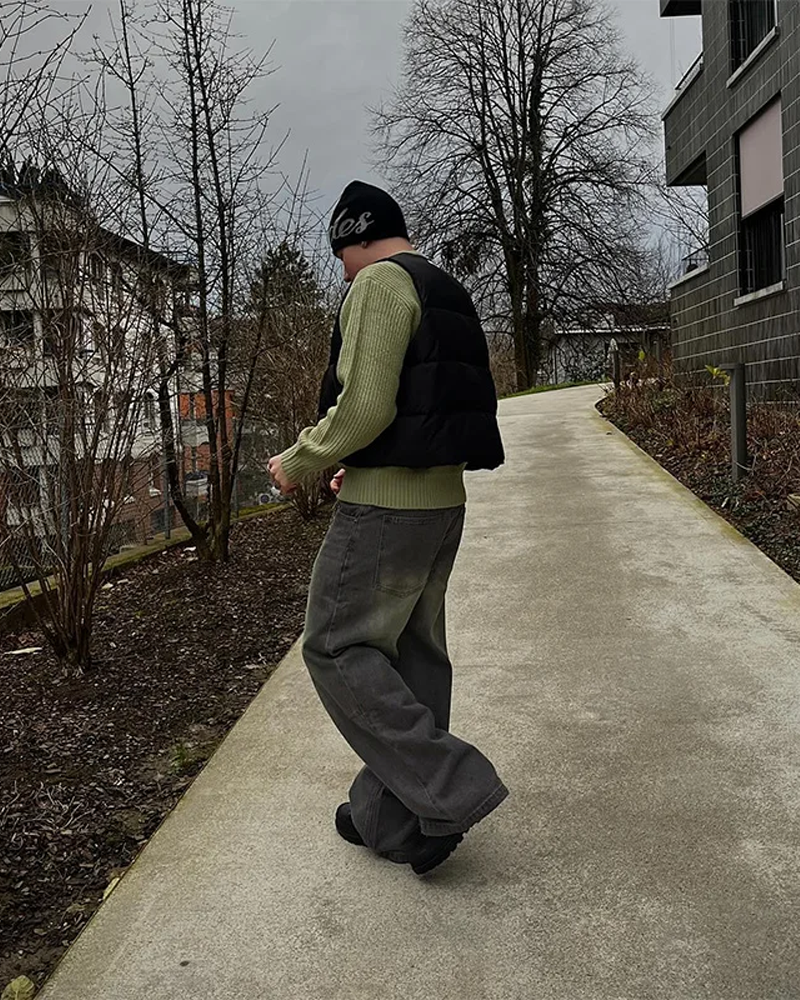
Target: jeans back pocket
{"x":407,"y":550}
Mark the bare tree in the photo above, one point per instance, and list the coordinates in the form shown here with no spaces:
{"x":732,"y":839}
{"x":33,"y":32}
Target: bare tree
{"x":99,"y":332}
{"x":78,"y":437}
{"x":197,"y":165}
{"x":78,"y":440}
{"x":519,"y":138}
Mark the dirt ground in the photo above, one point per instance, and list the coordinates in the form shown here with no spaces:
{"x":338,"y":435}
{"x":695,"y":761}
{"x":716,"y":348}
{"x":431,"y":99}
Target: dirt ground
{"x":89,"y":768}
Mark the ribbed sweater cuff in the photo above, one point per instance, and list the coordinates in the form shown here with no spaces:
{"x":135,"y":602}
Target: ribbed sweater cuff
{"x":294,"y":468}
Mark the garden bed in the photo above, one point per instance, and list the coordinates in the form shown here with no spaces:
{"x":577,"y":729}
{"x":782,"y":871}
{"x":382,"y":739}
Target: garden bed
{"x":90,"y":767}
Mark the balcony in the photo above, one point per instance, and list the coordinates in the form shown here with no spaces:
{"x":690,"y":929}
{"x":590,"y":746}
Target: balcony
{"x":684,"y":85}
{"x":693,"y":266}
{"x":685,"y":130}
{"x":696,"y":260}
{"x":680,"y":8}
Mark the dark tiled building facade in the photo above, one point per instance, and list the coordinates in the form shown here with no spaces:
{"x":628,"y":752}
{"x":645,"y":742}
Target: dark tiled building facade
{"x":734,"y":125}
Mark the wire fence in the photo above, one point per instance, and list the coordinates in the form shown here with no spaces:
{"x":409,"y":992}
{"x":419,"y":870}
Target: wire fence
{"x":15,"y":563}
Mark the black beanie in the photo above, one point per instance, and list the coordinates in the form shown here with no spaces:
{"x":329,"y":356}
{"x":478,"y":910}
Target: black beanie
{"x":365,"y":212}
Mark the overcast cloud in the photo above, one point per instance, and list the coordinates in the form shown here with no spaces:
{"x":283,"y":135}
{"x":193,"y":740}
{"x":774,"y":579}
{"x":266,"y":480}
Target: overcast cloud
{"x":339,"y":55}
{"x":334,"y":57}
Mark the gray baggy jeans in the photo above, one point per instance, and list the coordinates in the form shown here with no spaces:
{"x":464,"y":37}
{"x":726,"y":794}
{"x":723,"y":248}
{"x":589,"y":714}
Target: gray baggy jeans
{"x":375,"y":647}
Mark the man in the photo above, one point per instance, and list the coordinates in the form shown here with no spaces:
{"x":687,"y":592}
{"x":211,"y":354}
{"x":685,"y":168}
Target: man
{"x":407,"y":404}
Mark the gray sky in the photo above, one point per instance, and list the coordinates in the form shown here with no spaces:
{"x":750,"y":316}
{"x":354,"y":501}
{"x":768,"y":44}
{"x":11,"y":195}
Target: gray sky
{"x":334,"y":57}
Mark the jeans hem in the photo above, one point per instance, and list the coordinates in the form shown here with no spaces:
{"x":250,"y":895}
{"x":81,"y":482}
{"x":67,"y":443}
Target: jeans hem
{"x":440,"y":828}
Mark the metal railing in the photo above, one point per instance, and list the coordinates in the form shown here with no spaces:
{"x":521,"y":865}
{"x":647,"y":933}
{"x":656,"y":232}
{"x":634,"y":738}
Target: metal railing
{"x":687,"y":77}
{"x":696,"y":259}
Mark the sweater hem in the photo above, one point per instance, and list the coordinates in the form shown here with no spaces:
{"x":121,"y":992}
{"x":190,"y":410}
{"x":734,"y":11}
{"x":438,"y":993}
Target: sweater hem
{"x":404,"y":489}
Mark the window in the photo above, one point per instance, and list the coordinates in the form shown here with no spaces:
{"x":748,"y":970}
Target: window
{"x":51,"y":338}
{"x":126,"y":476}
{"x":763,"y":248}
{"x":762,"y":240}
{"x":16,"y":328}
{"x":86,"y":335}
{"x":110,"y":342}
{"x":122,"y":407}
{"x":97,"y":267}
{"x":149,"y":414}
{"x":751,"y":22}
{"x":182,"y":299}
{"x":155,"y":472}
{"x":57,"y":332}
{"x":14,"y":253}
{"x":21,"y":410}
{"x":60,"y":254}
{"x":101,"y":404}
{"x":152,"y":293}
{"x":116,"y":281}
{"x":66,"y":333}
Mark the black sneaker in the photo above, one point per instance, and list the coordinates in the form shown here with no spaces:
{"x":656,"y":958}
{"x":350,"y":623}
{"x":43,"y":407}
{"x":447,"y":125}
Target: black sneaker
{"x":345,"y":826}
{"x":433,"y":851}
{"x":346,"y":829}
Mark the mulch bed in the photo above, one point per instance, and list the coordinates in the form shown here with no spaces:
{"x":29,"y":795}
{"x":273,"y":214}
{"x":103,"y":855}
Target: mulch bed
{"x":756,"y":506}
{"x":90,"y":767}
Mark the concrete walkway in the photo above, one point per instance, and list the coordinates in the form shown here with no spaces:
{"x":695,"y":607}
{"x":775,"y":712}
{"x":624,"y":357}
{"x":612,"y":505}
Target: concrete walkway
{"x":631,"y":665}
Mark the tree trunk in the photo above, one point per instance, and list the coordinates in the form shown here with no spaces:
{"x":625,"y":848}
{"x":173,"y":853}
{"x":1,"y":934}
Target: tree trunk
{"x":527,"y":324}
{"x":219,"y":541}
{"x":79,"y":657}
{"x":520,"y":361}
{"x":72,"y":646}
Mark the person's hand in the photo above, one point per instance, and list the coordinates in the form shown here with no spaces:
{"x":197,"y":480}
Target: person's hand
{"x":336,"y":482}
{"x":275,"y":468}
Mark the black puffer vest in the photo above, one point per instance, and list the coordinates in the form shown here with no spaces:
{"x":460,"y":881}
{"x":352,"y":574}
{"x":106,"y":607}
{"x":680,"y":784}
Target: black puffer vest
{"x":446,"y":401}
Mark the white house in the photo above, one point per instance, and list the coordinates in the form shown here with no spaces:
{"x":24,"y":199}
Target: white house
{"x":87,"y":322}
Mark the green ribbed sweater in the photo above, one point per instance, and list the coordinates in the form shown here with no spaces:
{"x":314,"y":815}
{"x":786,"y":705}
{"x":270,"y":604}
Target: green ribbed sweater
{"x":380,"y":315}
